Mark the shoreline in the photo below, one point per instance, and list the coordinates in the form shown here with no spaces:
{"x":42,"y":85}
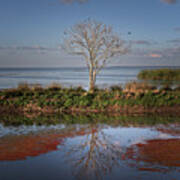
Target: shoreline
{"x":113,"y":110}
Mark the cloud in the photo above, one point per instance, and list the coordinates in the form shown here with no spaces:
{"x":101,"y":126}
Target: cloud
{"x":173,"y":53}
{"x":142,"y":42}
{"x":155,"y":55}
{"x":72,"y":1}
{"x":174,"y":41}
{"x":169,"y":1}
{"x":36,"y":48}
{"x":177,"y":29}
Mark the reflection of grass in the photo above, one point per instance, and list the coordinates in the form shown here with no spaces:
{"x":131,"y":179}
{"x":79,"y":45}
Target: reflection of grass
{"x":160,"y":74}
{"x":114,"y":120}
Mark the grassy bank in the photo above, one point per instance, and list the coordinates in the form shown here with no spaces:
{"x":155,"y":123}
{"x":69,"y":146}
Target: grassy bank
{"x":135,"y":98}
{"x":160,"y":74}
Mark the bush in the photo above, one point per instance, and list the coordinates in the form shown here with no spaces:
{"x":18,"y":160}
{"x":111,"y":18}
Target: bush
{"x":116,"y":88}
{"x":36,"y":87}
{"x":79,"y":89}
{"x":165,"y":88}
{"x":54,"y":87}
{"x":177,"y":88}
{"x":138,"y":87}
{"x":23,"y":86}
{"x":160,"y":74}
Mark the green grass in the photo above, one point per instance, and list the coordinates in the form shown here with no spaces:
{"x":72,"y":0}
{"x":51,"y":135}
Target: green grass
{"x":67,"y":98}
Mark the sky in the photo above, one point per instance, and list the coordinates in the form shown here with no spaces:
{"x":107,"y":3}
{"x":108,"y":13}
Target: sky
{"x":31,"y":32}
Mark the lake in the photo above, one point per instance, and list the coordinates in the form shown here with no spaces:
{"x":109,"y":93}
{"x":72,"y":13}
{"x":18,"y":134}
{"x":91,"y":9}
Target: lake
{"x":11,"y":77}
{"x":122,"y":148}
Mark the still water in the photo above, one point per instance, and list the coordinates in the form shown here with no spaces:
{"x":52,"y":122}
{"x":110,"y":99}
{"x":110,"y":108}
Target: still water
{"x":91,"y":151}
{"x":11,"y":77}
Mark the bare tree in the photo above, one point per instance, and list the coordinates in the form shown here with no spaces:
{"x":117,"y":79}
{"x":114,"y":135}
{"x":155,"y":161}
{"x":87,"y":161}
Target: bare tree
{"x":97,"y":43}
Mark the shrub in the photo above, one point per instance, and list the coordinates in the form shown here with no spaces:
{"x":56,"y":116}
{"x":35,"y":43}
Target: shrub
{"x":116,"y":88}
{"x":165,"y":88}
{"x":36,"y":87}
{"x":79,"y":89}
{"x":135,"y":87}
{"x":23,"y":86}
{"x":54,"y":87}
{"x":177,"y":88}
{"x":13,"y":93}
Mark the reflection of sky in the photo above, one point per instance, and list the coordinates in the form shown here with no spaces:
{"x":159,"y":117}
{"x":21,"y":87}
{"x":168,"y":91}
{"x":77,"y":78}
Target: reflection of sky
{"x":131,"y":135}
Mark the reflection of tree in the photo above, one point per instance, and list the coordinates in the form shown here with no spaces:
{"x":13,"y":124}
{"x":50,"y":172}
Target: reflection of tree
{"x":95,"y":156}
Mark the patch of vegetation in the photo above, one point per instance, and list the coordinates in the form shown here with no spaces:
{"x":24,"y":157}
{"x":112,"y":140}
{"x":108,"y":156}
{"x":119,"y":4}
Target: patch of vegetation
{"x":160,"y":74}
{"x":135,"y":97}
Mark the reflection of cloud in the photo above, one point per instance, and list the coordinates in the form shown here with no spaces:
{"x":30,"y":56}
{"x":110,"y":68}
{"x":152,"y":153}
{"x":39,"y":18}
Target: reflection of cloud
{"x":169,"y":1}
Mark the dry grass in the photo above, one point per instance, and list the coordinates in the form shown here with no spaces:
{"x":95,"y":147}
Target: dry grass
{"x":136,"y":87}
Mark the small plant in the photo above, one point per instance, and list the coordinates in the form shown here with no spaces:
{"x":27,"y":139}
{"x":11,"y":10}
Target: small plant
{"x":23,"y":86}
{"x":54,"y":87}
{"x":116,"y":88}
{"x":177,"y":88}
{"x":37,"y":87}
{"x":166,"y":87}
{"x":79,"y":89}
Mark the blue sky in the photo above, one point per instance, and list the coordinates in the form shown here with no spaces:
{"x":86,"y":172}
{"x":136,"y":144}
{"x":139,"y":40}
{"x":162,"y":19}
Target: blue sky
{"x":31,"y":31}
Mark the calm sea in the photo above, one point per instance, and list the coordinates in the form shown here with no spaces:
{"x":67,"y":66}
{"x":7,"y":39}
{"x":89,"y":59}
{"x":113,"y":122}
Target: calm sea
{"x":11,"y":77}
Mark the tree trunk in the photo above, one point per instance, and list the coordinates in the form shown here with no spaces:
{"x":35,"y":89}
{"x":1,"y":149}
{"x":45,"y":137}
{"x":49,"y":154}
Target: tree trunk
{"x":92,"y":80}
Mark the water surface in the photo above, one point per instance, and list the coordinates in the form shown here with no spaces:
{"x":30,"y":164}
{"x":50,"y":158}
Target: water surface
{"x":90,"y":151}
{"x":11,"y":77}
